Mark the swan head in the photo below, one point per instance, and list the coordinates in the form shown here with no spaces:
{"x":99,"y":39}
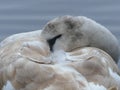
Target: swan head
{"x":63,"y":33}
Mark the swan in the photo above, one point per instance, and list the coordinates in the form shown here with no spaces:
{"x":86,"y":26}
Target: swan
{"x":35,"y":61}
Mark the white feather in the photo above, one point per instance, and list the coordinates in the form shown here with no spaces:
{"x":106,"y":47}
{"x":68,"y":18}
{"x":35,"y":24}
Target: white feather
{"x":93,"y":86}
{"x":114,"y":75}
{"x":8,"y":86}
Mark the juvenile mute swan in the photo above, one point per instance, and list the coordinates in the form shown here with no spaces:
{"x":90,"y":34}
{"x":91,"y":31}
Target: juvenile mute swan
{"x":28,"y":63}
{"x":69,"y":33}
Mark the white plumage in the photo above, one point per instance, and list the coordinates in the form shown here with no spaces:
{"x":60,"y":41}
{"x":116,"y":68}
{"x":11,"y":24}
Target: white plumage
{"x":26,"y":63}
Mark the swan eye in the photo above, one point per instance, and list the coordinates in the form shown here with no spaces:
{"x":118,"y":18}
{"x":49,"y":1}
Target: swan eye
{"x":51,"y":26}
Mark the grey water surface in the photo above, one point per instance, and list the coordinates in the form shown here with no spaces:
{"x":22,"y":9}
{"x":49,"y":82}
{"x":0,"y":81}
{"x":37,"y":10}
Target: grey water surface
{"x":18,"y":16}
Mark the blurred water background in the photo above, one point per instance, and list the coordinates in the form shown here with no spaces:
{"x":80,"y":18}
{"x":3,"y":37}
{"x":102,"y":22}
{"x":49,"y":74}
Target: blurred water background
{"x":18,"y":16}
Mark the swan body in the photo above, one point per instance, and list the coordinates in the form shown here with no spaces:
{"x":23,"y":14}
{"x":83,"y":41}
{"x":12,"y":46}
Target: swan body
{"x":28,"y":64}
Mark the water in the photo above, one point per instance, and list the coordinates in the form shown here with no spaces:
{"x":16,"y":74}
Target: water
{"x":26,"y":15}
